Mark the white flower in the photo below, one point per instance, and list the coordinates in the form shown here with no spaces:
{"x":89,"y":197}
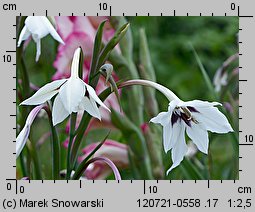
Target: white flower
{"x":73,"y":95}
{"x":24,"y":133}
{"x":196,"y":118}
{"x":38,"y":27}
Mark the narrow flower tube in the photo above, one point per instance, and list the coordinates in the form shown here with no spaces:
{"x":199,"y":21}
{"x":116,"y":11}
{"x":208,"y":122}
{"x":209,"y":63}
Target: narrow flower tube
{"x":93,"y":161}
{"x":194,"y":117}
{"x":24,"y":133}
{"x":168,"y":93}
{"x":113,"y":150}
{"x":109,"y":163}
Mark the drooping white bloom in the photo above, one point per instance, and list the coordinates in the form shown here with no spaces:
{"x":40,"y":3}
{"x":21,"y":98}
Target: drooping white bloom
{"x":195,"y":118}
{"x":24,"y":133}
{"x":38,"y":27}
{"x":70,"y":95}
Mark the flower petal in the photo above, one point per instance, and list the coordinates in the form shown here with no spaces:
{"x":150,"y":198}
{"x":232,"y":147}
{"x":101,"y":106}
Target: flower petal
{"x":83,"y":24}
{"x":22,"y":139}
{"x":198,"y":104}
{"x":180,"y":148}
{"x":93,"y":95}
{"x":24,"y":133}
{"x":209,"y":116}
{"x":167,"y":133}
{"x":169,"y":130}
{"x":71,"y":93}
{"x":45,"y":93}
{"x":36,"y":25}
{"x":199,"y":136}
{"x":165,"y":117}
{"x":175,"y":133}
{"x":59,"y":113}
{"x":64,"y":26}
{"x":52,"y":31}
{"x":162,"y":118}
{"x":24,"y":34}
{"x":66,"y":52}
{"x":75,"y":63}
{"x":115,"y":151}
{"x":91,"y":107}
{"x":212,"y":119}
{"x":170,"y":133}
{"x":38,"y":49}
{"x":41,"y":26}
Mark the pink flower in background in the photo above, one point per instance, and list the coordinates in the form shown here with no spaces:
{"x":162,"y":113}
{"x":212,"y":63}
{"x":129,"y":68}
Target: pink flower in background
{"x":71,"y":30}
{"x":77,"y":31}
{"x":115,"y":151}
{"x":81,"y":31}
{"x":108,"y":30}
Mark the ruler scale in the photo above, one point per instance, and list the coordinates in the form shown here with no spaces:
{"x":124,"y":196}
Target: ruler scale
{"x":139,"y":195}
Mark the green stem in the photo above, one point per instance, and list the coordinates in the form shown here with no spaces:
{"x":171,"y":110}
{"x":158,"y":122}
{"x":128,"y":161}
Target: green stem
{"x":83,"y":126}
{"x":210,"y":164}
{"x":22,"y":165}
{"x":55,"y":147}
{"x":34,"y":155}
{"x":136,"y":96}
{"x":204,"y":73}
{"x":25,"y":85}
{"x":154,"y":147}
{"x":83,"y":165}
{"x":24,"y":110}
{"x":71,"y":138}
{"x":25,"y":92}
{"x":25,"y":79}
{"x":190,"y":170}
{"x":28,"y":165}
{"x":128,"y":70}
{"x":79,"y":135}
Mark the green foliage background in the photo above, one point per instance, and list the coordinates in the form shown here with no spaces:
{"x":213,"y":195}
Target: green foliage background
{"x":215,"y":39}
{"x":169,"y":40}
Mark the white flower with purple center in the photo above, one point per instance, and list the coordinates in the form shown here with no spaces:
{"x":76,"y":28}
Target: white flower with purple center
{"x":196,"y":118}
